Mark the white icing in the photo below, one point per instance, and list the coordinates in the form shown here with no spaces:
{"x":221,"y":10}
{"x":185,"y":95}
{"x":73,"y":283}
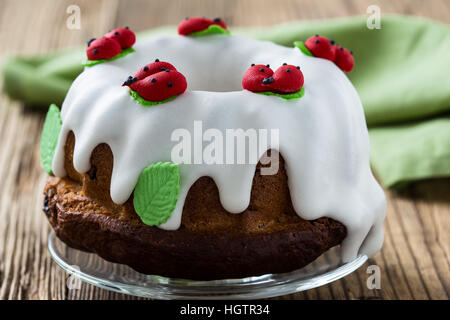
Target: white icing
{"x":323,"y":135}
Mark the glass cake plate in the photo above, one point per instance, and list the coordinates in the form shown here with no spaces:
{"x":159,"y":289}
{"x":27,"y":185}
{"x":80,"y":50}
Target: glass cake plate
{"x":93,"y":269}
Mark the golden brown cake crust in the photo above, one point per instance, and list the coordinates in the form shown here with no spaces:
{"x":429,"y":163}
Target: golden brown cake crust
{"x":268,"y":237}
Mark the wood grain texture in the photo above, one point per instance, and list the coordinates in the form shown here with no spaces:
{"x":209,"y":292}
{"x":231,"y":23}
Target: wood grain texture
{"x":415,"y":260}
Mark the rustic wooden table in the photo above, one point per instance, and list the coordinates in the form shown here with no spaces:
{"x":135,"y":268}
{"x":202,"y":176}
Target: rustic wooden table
{"x":414,"y":262}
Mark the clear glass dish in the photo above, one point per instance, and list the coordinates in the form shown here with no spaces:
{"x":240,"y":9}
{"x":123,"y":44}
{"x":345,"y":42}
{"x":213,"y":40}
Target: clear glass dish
{"x":121,"y":278}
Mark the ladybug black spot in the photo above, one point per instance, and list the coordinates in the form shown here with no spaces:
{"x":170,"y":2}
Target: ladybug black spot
{"x":316,"y":35}
{"x":153,"y":80}
{"x":288,"y":70}
{"x":285,"y":64}
{"x":116,"y":33}
{"x":341,"y":48}
{"x":135,"y":79}
{"x":217,"y":20}
{"x":145,"y":68}
{"x":170,"y":84}
{"x":162,"y":69}
{"x":332,"y":41}
{"x":298,"y":67}
{"x":268,"y":65}
{"x":262,"y":69}
{"x":89,"y":41}
{"x":252,"y":65}
{"x":167,"y":70}
{"x":156,"y":60}
{"x":317,"y":41}
{"x":127,"y":27}
{"x":268,"y":80}
{"x":95,"y":51}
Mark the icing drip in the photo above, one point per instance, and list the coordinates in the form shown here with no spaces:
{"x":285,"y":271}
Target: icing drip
{"x":322,"y":136}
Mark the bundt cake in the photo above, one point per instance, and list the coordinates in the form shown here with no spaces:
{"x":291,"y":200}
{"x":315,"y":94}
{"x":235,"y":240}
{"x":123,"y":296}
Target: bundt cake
{"x":143,"y":172}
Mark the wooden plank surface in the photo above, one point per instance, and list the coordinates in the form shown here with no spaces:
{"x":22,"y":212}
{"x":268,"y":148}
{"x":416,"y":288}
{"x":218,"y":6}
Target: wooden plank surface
{"x":414,"y":262}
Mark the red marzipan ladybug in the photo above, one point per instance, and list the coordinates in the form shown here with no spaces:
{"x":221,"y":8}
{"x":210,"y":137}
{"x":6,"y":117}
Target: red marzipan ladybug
{"x":256,"y":78}
{"x":287,"y":79}
{"x":124,"y":36}
{"x":321,"y":47}
{"x":196,"y":24}
{"x":103,"y":48}
{"x":260,"y":78}
{"x":157,"y":81}
{"x":160,"y":86}
{"x":344,"y":58}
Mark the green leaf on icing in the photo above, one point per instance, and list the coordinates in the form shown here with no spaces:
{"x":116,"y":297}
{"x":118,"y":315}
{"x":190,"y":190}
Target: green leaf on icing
{"x":301,"y":46}
{"x":287,"y":96}
{"x":156,"y":193}
{"x":146,"y":103}
{"x":123,"y":53}
{"x":212,"y":29}
{"x":49,"y":138}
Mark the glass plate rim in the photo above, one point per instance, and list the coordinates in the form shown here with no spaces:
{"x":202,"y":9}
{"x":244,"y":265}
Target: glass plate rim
{"x":258,"y":287}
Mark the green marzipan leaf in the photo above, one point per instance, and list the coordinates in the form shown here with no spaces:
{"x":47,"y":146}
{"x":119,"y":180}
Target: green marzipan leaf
{"x":301,"y":46}
{"x":123,"y":53}
{"x":147,"y":103}
{"x":156,"y":193}
{"x":287,"y":96}
{"x":49,"y":138}
{"x":212,"y":29}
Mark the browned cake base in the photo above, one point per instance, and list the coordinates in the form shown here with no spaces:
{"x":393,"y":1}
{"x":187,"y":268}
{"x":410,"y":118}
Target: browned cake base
{"x":268,"y":237}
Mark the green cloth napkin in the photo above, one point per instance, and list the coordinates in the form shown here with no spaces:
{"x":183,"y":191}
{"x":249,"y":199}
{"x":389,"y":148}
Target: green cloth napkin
{"x":402,"y":74}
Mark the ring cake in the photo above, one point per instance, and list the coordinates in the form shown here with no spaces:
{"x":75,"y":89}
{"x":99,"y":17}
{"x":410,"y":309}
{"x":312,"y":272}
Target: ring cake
{"x":116,"y":190}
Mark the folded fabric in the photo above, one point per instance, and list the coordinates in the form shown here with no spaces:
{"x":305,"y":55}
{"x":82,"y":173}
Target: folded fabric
{"x":412,"y":151}
{"x":401,"y":74}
